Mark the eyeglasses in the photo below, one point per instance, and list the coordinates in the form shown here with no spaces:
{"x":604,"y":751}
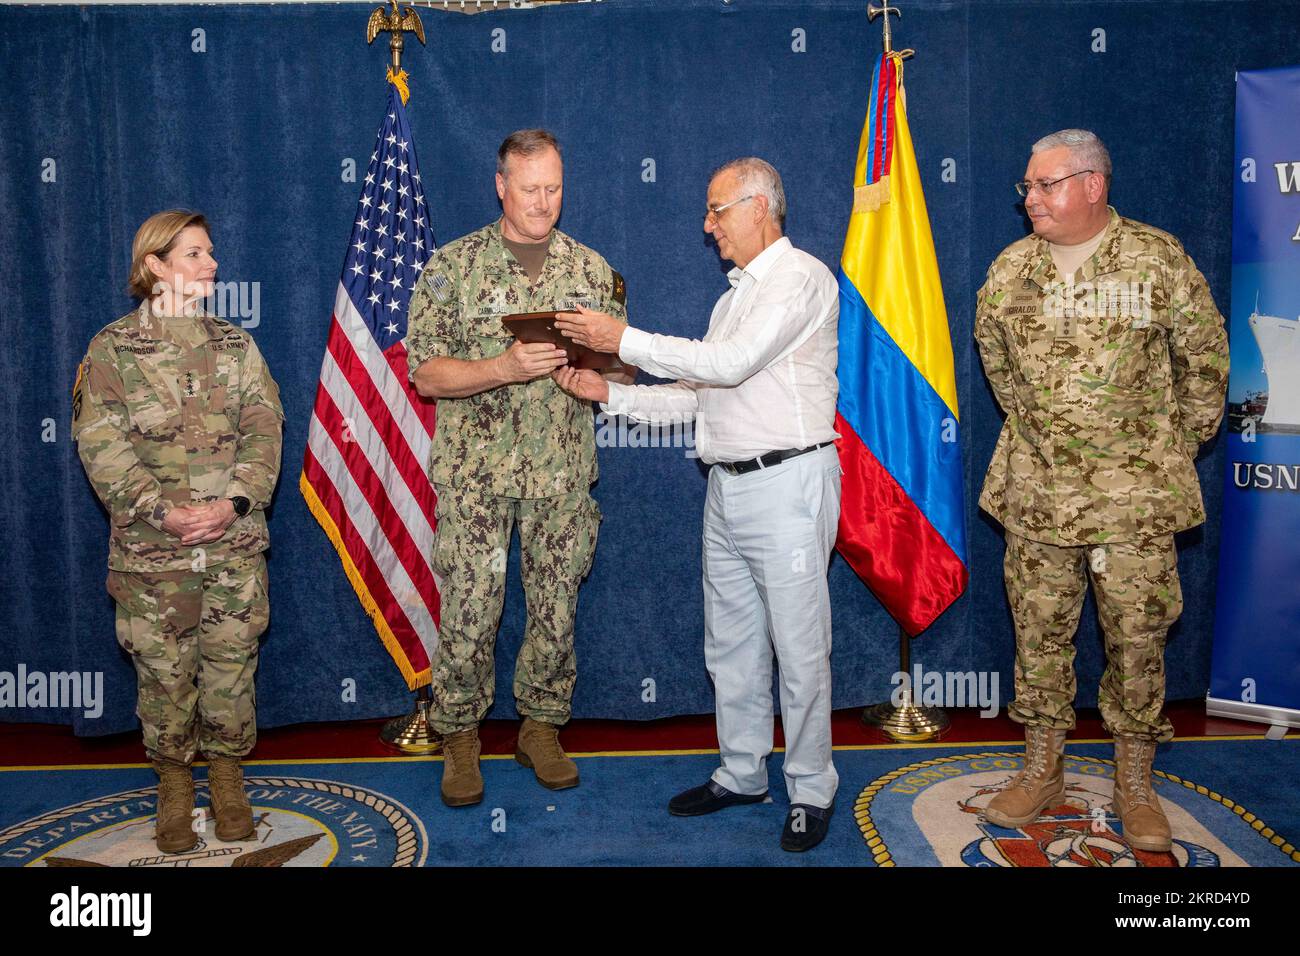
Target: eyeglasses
{"x":716,"y":211}
{"x":1025,"y":187}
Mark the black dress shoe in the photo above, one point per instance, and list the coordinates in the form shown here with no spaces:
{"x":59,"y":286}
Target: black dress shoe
{"x":698,"y":801}
{"x":804,"y":830}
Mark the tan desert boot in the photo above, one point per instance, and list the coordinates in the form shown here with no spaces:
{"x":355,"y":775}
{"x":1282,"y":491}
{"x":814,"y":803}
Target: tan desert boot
{"x":1041,"y":782}
{"x":229,"y":801}
{"x":539,"y":748}
{"x":462,"y":784}
{"x":175,"y":830}
{"x":1145,"y":825}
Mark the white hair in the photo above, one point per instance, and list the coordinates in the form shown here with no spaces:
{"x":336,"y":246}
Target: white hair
{"x":759,"y":177}
{"x":1084,"y":145}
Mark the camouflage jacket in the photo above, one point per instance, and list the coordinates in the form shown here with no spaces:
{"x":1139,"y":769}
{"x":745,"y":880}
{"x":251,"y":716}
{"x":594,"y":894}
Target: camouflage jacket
{"x":1110,"y":381}
{"x":159,"y":424}
{"x":530,"y":439}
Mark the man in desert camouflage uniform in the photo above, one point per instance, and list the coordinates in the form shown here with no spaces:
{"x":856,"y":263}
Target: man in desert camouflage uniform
{"x":178,"y":423}
{"x":1105,"y":350}
{"x":510,"y":448}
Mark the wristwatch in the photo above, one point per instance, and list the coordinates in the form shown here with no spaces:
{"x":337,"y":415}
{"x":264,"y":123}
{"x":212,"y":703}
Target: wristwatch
{"x":242,"y":505}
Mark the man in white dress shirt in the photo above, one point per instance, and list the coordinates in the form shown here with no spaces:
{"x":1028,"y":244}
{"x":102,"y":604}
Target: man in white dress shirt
{"x":761,"y":387}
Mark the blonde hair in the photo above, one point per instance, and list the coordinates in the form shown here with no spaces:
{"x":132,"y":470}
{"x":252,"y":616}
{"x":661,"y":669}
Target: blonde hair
{"x":157,"y":236}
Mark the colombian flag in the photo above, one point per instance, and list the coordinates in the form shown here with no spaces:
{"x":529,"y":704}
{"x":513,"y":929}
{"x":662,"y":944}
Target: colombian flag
{"x":902,"y":518}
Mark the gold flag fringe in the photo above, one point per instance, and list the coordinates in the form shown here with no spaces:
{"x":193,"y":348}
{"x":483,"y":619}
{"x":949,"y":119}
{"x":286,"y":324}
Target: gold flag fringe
{"x":414,"y":679}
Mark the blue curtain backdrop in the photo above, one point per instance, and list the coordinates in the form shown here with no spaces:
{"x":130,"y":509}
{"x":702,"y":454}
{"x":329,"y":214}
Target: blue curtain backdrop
{"x":255,"y":129}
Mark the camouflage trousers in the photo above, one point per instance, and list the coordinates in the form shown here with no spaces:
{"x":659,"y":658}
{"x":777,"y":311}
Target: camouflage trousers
{"x":1138,"y":596}
{"x":557,"y":541}
{"x":192,"y":636}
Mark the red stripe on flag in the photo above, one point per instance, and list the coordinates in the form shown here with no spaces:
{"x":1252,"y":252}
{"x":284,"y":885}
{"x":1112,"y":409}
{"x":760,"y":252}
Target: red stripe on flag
{"x":425,"y":409}
{"x":372,"y":488}
{"x":888,"y":541}
{"x":877,"y":136}
{"x":890,"y":90}
{"x":363,"y":386}
{"x":355,"y":545}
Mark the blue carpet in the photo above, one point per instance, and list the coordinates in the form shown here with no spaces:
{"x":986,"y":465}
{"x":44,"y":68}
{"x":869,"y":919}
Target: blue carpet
{"x":914,"y":806}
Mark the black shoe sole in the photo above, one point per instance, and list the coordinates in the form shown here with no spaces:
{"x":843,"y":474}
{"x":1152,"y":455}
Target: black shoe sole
{"x":713,"y":808}
{"x":800,"y":849}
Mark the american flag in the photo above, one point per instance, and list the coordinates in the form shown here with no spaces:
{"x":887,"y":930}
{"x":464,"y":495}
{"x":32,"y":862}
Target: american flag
{"x":363,"y":473}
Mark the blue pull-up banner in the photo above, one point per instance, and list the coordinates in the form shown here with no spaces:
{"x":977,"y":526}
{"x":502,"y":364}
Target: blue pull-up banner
{"x":1255,"y":672}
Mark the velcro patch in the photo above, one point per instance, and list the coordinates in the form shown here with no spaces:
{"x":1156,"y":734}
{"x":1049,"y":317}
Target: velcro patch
{"x":440,"y":285}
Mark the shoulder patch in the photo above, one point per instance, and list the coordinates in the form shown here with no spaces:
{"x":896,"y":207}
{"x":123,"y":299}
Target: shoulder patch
{"x":77,"y":388}
{"x":440,"y":285}
{"x":620,"y":288}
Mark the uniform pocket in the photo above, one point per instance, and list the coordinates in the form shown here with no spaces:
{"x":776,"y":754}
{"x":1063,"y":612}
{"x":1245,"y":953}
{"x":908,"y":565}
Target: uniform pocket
{"x":260,"y":617}
{"x":153,"y":608}
{"x":1137,"y":356}
{"x":484,"y":346}
{"x":590,"y":532}
{"x":133,"y":594}
{"x":151,"y":417}
{"x":437,"y":559}
{"x":217,"y":399}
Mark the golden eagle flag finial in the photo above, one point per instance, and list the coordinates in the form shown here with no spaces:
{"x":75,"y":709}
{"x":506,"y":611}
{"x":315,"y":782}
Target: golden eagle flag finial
{"x":396,"y":23}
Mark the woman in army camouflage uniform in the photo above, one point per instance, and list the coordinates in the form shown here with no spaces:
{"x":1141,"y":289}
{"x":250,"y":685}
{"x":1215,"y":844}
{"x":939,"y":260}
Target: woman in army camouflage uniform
{"x":178,"y":423}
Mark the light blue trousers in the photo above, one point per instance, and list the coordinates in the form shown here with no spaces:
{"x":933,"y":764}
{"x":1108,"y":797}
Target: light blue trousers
{"x":768,"y":536}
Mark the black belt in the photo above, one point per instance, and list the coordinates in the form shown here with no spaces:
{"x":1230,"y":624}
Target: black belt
{"x":768,"y":460}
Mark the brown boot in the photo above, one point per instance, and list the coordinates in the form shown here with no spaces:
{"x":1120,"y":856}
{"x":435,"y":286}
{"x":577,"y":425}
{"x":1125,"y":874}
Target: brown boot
{"x":539,"y":748}
{"x":175,"y":831}
{"x":462,"y":784}
{"x":1037,"y":786}
{"x":1145,"y":824}
{"x":229,"y":801}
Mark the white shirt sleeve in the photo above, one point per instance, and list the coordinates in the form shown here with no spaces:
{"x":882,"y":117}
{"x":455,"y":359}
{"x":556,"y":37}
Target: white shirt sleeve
{"x":669,"y":404}
{"x":782,"y":316}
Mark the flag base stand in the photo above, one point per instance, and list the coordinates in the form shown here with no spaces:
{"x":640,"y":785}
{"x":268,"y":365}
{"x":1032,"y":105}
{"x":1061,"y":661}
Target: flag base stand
{"x":413,"y":734}
{"x":908,"y":723}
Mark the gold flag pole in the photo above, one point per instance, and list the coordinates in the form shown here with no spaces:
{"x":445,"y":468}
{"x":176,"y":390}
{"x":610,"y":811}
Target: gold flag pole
{"x":874,"y":11}
{"x":907,"y":721}
{"x":412,"y":733}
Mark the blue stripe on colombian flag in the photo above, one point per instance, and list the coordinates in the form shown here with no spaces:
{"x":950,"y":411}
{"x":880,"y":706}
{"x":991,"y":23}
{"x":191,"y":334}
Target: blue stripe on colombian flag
{"x":873,"y":172}
{"x":899,"y":416}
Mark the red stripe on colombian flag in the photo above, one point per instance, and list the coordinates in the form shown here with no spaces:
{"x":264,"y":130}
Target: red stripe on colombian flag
{"x":911,"y":568}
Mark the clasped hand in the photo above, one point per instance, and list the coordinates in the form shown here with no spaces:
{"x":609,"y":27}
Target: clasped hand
{"x":200,"y":524}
